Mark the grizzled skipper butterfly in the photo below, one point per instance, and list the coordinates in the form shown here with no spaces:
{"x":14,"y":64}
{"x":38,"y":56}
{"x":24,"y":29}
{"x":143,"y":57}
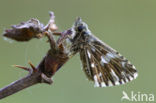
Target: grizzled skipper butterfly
{"x":101,"y":63}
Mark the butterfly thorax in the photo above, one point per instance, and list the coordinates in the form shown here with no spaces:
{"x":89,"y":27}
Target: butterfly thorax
{"x":81,"y":39}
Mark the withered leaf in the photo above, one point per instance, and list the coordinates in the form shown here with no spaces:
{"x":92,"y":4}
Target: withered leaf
{"x":25,"y":30}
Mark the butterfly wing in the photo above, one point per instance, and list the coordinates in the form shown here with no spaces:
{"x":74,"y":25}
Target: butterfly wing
{"x":104,"y":65}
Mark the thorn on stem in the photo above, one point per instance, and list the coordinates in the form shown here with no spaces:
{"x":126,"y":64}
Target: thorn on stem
{"x":22,"y":67}
{"x":32,"y":66}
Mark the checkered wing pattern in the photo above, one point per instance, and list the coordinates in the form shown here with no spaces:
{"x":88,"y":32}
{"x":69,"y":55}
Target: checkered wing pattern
{"x":105,"y":66}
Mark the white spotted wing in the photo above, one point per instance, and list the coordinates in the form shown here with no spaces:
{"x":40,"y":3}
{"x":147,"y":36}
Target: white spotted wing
{"x":104,"y":65}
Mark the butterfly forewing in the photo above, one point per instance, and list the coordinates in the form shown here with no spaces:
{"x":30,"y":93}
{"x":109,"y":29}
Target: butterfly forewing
{"x":105,"y":66}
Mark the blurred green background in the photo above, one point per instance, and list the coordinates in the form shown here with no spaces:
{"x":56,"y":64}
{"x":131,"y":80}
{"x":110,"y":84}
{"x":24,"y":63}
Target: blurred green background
{"x":129,"y":26}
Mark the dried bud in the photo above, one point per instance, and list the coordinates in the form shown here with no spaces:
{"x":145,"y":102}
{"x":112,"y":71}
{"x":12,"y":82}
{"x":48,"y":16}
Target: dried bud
{"x":51,"y":24}
{"x":25,"y":30}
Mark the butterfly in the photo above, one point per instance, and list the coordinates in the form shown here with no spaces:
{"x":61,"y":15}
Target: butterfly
{"x":101,"y":63}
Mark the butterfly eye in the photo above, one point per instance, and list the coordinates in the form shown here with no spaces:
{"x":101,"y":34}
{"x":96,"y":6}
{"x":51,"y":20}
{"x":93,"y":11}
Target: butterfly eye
{"x":80,"y":28}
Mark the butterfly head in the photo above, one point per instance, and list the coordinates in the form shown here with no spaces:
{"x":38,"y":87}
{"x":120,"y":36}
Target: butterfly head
{"x":79,"y":25}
